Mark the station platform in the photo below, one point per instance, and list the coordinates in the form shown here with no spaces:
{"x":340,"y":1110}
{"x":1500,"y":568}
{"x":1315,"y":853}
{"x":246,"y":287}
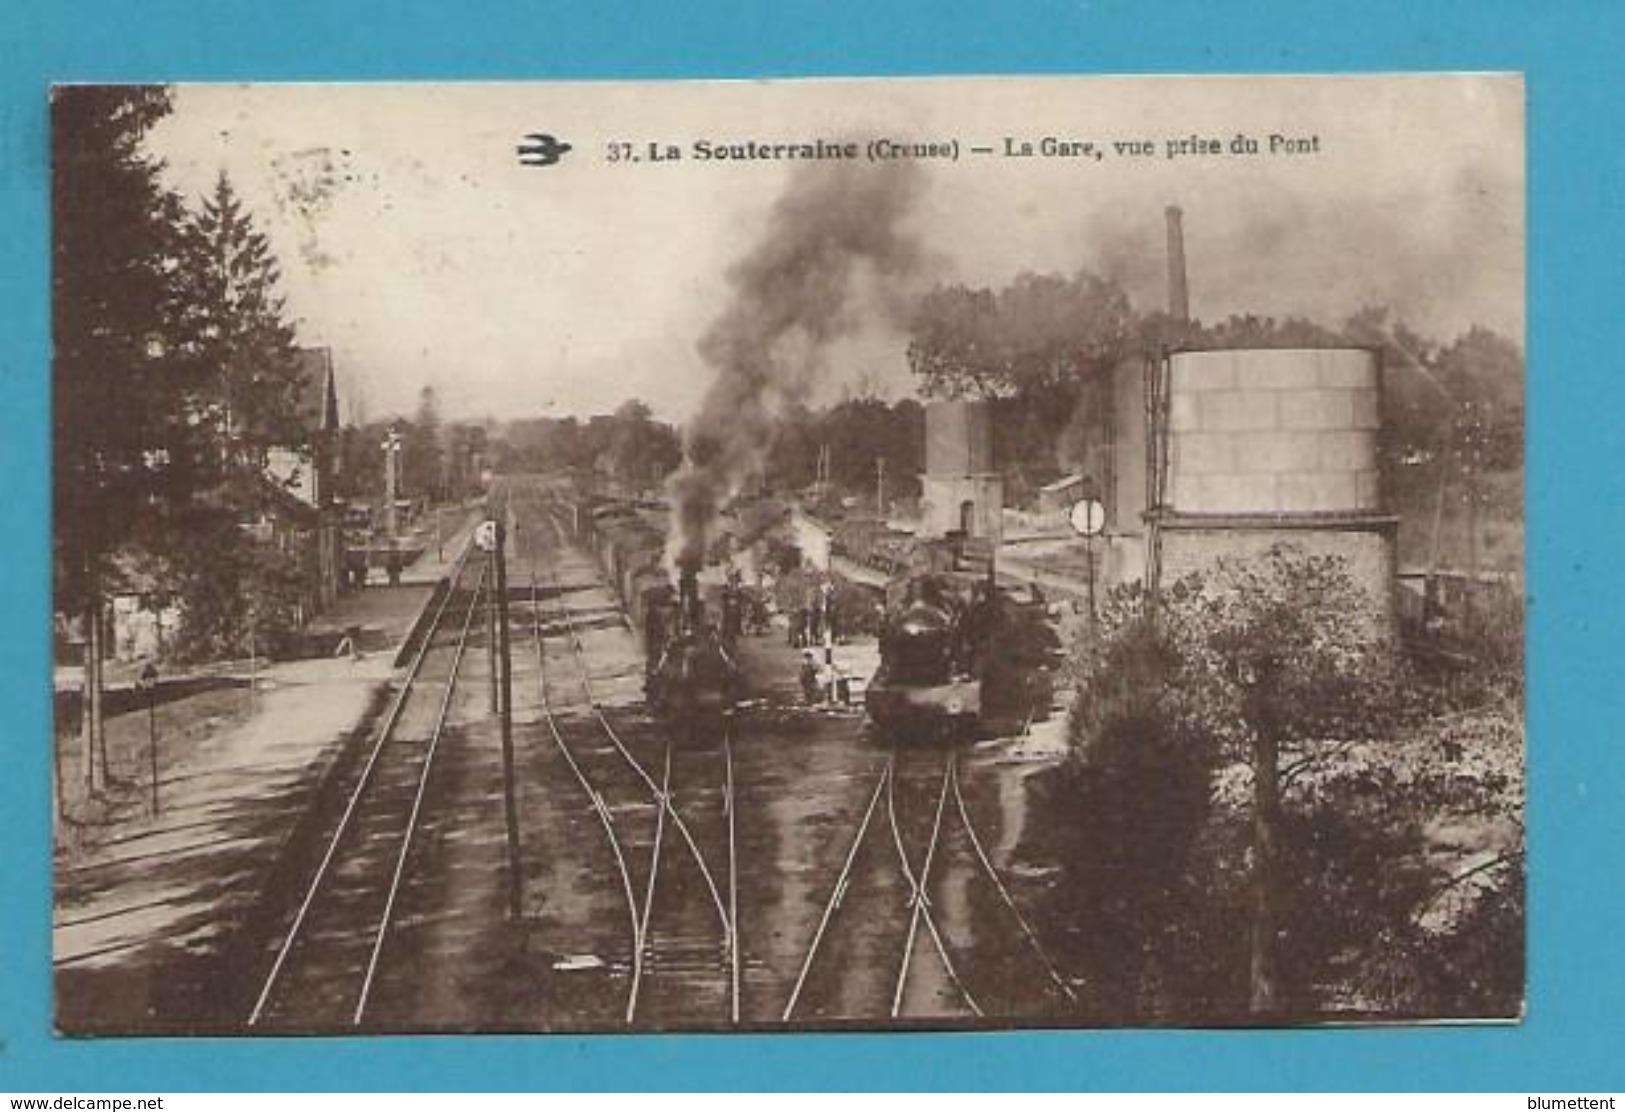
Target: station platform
{"x":146,"y":905}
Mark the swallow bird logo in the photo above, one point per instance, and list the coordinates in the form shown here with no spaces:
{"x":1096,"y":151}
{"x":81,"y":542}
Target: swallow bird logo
{"x":541,"y":150}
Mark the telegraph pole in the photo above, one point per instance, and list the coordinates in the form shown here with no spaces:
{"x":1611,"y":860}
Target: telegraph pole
{"x":516,"y":895}
{"x":149,"y":680}
{"x":491,"y":627}
{"x":491,"y":537}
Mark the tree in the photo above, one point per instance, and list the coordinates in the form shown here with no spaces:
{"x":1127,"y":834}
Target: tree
{"x":422,"y":455}
{"x":467,"y":451}
{"x":1276,"y":661}
{"x":361,"y":461}
{"x":1040,"y":333}
{"x":1484,"y":371}
{"x":1141,"y":784}
{"x":1452,"y":421}
{"x":125,"y":447}
{"x":233,"y":329}
{"x":644,"y":450}
{"x":235,"y":326}
{"x":1296,"y":648}
{"x":1250,"y":331}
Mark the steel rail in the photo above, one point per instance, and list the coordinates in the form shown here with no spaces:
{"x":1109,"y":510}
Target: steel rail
{"x":405,"y":852}
{"x":838,"y":895}
{"x":733,"y":865}
{"x":356,"y":793}
{"x":626,"y":754}
{"x":919,"y":898}
{"x":663,"y":797}
{"x":726,"y":913}
{"x":654,"y":870}
{"x":1004,"y":893}
{"x":600,"y":808}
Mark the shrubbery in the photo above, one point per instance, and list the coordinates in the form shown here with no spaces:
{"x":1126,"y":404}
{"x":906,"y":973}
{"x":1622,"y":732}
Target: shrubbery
{"x":238,"y":595}
{"x":1278,"y":665}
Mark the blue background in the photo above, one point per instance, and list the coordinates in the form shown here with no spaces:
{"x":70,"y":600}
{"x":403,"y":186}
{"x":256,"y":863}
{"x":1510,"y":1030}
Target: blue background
{"x":1574,"y":1037}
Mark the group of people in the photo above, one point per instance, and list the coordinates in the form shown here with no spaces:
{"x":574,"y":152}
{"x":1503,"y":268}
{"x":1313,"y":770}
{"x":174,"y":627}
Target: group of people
{"x":813,"y":622}
{"x":743,"y":610}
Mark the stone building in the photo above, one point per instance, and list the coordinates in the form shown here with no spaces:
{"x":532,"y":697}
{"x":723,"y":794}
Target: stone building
{"x":961,"y":492}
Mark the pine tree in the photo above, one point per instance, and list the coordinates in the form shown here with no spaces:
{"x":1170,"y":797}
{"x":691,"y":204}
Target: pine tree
{"x":125,"y":452}
{"x":236,"y":332}
{"x":237,"y":327}
{"x":423,"y":461}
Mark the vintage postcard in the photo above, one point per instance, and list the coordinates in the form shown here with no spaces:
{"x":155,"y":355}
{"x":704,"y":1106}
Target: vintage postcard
{"x":788,"y":555}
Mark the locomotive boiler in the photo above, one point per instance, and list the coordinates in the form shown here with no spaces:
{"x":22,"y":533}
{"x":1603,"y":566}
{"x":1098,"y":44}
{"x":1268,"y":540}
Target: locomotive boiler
{"x":688,"y":660}
{"x":933,"y":647}
{"x":689,"y":668}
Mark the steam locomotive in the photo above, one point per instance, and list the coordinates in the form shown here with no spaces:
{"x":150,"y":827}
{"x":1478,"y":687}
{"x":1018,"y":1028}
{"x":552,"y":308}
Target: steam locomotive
{"x":689,"y":666}
{"x":935,"y":644}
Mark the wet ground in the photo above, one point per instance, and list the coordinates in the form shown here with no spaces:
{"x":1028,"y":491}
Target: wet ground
{"x":749,"y":901}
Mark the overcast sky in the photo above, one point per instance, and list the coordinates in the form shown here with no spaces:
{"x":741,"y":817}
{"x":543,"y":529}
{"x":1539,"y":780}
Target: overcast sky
{"x":415,"y":244}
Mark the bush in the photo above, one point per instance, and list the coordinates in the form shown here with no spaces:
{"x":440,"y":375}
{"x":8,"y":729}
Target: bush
{"x":238,"y":595}
{"x":1476,"y":971}
{"x":1142,"y":784}
{"x":1265,"y":664}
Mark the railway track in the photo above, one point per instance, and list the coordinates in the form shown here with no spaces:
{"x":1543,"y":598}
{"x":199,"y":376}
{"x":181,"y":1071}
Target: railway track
{"x":595,"y":798}
{"x":672,"y":955}
{"x":328,"y":960}
{"x":682,"y":792}
{"x":916,"y":867}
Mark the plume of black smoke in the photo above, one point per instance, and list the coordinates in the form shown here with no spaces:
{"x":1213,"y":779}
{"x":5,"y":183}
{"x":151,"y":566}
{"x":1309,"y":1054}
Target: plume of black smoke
{"x":835,"y":253}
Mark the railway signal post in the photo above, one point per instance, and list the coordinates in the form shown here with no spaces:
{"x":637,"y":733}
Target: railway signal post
{"x":488,"y":541}
{"x":491,"y":537}
{"x":1088,"y":518}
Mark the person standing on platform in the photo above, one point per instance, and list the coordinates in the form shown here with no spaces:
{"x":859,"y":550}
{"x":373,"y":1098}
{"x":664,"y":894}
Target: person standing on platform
{"x":812,"y":690}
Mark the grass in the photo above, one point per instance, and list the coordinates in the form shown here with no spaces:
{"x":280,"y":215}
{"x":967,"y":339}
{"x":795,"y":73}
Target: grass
{"x":180,"y":726}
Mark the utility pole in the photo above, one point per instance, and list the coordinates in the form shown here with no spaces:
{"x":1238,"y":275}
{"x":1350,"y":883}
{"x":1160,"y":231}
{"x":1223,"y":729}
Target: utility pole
{"x":253,"y":655}
{"x":491,"y":633}
{"x":491,"y":538}
{"x":94,"y":730}
{"x":516,"y":895}
{"x":880,"y":488}
{"x":149,"y":680}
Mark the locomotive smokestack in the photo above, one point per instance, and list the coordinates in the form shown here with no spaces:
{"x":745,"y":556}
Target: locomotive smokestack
{"x":1179,"y":301}
{"x":688,"y":593}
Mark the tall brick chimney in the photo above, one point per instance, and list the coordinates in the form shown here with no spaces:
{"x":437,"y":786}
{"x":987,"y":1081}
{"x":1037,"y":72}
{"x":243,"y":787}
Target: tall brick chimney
{"x":1179,"y":301}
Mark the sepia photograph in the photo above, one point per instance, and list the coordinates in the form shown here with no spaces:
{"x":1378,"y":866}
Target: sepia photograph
{"x":787,"y":555}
